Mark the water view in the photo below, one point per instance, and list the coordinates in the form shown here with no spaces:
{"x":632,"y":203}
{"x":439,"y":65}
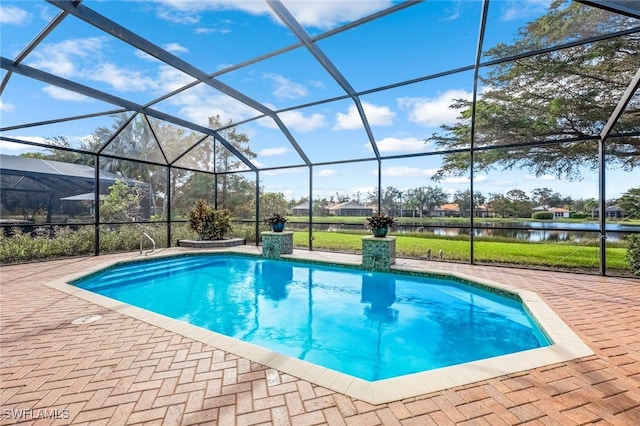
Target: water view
{"x":518,"y":230}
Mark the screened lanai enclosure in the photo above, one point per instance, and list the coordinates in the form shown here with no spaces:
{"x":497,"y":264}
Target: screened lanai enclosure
{"x":495,"y":132}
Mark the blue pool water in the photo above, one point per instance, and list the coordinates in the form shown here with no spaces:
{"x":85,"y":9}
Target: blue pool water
{"x":369,"y":325}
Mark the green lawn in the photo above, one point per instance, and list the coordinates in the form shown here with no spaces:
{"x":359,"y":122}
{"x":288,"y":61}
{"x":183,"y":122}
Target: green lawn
{"x":561,"y":255}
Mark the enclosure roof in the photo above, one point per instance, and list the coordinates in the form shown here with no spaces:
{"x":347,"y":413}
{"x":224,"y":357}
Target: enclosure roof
{"x":31,"y":166}
{"x":310,"y":83}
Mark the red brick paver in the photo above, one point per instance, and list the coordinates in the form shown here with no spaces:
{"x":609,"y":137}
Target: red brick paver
{"x":119,"y":370}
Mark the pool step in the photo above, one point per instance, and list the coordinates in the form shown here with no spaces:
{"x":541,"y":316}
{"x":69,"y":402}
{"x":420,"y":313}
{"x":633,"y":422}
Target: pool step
{"x":129,"y":274}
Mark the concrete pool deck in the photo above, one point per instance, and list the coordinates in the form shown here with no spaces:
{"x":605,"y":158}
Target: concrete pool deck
{"x":124,"y":370}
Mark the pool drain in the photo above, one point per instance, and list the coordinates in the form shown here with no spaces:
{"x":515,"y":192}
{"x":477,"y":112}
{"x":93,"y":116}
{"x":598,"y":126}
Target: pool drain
{"x":86,"y":319}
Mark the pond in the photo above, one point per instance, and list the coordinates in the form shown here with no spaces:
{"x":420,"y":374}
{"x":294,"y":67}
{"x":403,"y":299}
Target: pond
{"x":519,"y":230}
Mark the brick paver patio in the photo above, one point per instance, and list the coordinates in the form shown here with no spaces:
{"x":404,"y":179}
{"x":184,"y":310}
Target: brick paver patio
{"x":119,"y":370}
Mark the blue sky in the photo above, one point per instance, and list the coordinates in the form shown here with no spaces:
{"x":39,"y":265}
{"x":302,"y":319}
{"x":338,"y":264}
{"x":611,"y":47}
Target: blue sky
{"x":428,"y":38}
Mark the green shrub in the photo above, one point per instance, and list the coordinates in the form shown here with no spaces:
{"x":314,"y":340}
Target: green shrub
{"x":62,"y":241}
{"x":633,"y":254}
{"x":574,"y":215}
{"x":246,"y":231}
{"x":46,"y":244}
{"x":209,"y":223}
{"x":542,"y":215}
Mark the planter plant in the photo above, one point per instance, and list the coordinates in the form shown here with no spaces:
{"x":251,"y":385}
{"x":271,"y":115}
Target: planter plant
{"x":632,"y":255}
{"x":380,"y":224}
{"x":276,"y":222}
{"x":209,"y":223}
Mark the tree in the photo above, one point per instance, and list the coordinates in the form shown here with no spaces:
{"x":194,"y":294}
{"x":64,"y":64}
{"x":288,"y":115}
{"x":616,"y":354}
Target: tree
{"x":427,"y":198}
{"x":542,"y":196}
{"x":53,"y":152}
{"x":320,"y":206}
{"x":520,"y":202}
{"x":553,"y":96}
{"x":356,"y":197}
{"x":590,"y":206}
{"x":342,"y":198}
{"x":225,"y":161}
{"x":463,"y":200}
{"x":239,"y":195}
{"x":27,"y":204}
{"x":630,"y":203}
{"x":500,"y":205}
{"x":391,"y":197}
{"x":122,"y":204}
{"x":435,"y":197}
{"x":273,"y":202}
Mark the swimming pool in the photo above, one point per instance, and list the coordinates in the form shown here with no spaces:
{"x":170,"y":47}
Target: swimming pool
{"x":566,"y":345}
{"x":373,"y":326}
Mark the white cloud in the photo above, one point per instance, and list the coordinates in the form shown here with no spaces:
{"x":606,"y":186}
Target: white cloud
{"x":326,"y":172}
{"x":84,"y":59}
{"x":521,"y":9}
{"x":175,"y":48}
{"x":295,"y":120}
{"x":6,"y":107}
{"x":503,"y":182}
{"x":188,"y":12}
{"x":363,"y":190}
{"x":205,"y":30}
{"x":328,"y":14}
{"x":178,"y":17}
{"x":63,"y":94}
{"x":376,"y":115}
{"x":270,"y":152}
{"x":285,"y":88}
{"x":318,"y":14}
{"x":404,"y":171}
{"x":315,"y":83}
{"x":17,"y":147}
{"x":254,"y":7}
{"x":456,"y":180}
{"x":433,"y":112}
{"x":145,"y":56}
{"x":125,"y":80}
{"x":198,"y":104}
{"x":289,"y":171}
{"x":543,"y":177}
{"x":170,"y":79}
{"x":405,"y":145}
{"x":13,"y":15}
{"x":66,"y":58}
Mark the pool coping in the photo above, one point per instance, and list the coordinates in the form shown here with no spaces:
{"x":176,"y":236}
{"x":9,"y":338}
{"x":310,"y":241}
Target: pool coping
{"x":566,"y":345}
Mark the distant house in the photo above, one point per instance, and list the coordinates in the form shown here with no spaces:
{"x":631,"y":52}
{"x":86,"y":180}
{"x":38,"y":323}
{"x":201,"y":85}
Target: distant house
{"x":453,"y":210}
{"x":612,"y":212}
{"x":481,"y":211}
{"x":560,"y":213}
{"x":303,"y":209}
{"x":447,"y":210}
{"x":300,"y":209}
{"x":349,"y":209}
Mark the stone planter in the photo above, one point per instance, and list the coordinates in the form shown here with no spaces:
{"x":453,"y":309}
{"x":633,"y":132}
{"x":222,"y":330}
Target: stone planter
{"x":275,"y":244}
{"x":378,"y":254}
